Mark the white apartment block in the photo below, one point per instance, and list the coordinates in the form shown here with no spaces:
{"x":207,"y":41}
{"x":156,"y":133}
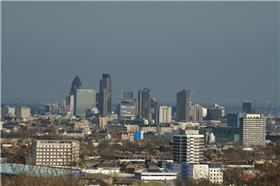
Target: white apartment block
{"x":165,"y":114}
{"x":55,"y":153}
{"x":253,"y":129}
{"x":188,"y":147}
{"x":198,"y":171}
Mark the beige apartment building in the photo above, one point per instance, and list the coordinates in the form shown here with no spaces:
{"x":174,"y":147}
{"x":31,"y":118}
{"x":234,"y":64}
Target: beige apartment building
{"x":55,"y":153}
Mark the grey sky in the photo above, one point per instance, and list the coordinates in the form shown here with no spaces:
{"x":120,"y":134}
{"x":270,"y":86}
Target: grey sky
{"x":225,"y":52}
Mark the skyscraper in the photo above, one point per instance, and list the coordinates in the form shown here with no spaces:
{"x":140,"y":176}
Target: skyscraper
{"x":105,"y":94}
{"x":188,"y":147}
{"x":253,"y":129}
{"x":247,"y":107}
{"x":84,"y":99}
{"x":144,"y":104}
{"x":76,"y":84}
{"x":128,"y":106}
{"x":182,"y":105}
{"x":154,"y":110}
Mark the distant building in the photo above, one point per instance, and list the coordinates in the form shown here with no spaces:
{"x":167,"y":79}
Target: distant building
{"x":55,"y":153}
{"x":233,"y":119}
{"x":128,"y":110}
{"x":154,"y":110}
{"x":144,"y":104}
{"x":103,"y":122}
{"x":253,"y":130}
{"x":85,"y":99}
{"x":128,"y":96}
{"x":8,"y":111}
{"x":216,"y":175}
{"x":188,"y":147}
{"x":215,"y":113}
{"x":23,"y":112}
{"x":165,"y":114}
{"x":198,"y":171}
{"x":196,"y":112}
{"x":225,"y":133}
{"x":105,"y":95}
{"x":247,"y":108}
{"x":76,"y":84}
{"x":70,"y":104}
{"x":128,"y":106}
{"x":182,"y":105}
{"x":155,"y":174}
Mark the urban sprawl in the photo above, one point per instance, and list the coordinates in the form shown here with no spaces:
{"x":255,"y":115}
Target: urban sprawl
{"x":83,"y":140}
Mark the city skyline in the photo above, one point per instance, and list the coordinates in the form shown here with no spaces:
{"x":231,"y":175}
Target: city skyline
{"x":222,"y":59}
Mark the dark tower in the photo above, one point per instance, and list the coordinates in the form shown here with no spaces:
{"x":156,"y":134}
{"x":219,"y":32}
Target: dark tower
{"x":182,"y":105}
{"x":247,"y":107}
{"x":105,"y":94}
{"x":144,"y":104}
{"x":76,"y":84}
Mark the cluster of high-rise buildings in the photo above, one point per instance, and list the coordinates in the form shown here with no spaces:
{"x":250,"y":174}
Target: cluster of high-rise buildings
{"x":85,"y":103}
{"x":82,"y":102}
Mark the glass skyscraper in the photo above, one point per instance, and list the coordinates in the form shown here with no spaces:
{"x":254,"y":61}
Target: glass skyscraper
{"x":84,"y":99}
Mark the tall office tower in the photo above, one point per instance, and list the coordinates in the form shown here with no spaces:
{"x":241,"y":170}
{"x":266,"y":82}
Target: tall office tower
{"x":22,"y":112}
{"x":105,"y":94}
{"x":128,"y":106}
{"x":188,"y":147}
{"x":154,"y":110}
{"x":233,"y":119}
{"x":182,"y":105}
{"x":253,"y":129}
{"x":144,"y":104}
{"x":76,"y":84}
{"x":85,"y":99}
{"x":55,"y":153}
{"x":196,"y":112}
{"x":165,"y":114}
{"x":247,"y":107}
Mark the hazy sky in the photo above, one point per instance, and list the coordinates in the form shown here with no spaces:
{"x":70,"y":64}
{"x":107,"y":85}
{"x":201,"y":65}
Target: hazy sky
{"x":223,"y":52}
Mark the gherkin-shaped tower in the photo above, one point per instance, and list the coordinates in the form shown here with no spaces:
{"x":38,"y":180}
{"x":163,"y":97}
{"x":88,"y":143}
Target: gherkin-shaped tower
{"x":76,"y":84}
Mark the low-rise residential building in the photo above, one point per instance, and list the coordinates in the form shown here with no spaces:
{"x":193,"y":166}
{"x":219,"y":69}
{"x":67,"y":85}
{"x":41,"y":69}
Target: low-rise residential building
{"x":198,"y":171}
{"x":156,"y":174}
{"x":56,"y":153}
{"x":216,"y":174}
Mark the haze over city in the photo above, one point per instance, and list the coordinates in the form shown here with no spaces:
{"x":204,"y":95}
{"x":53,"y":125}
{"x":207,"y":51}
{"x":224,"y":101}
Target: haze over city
{"x":224,"y":52}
